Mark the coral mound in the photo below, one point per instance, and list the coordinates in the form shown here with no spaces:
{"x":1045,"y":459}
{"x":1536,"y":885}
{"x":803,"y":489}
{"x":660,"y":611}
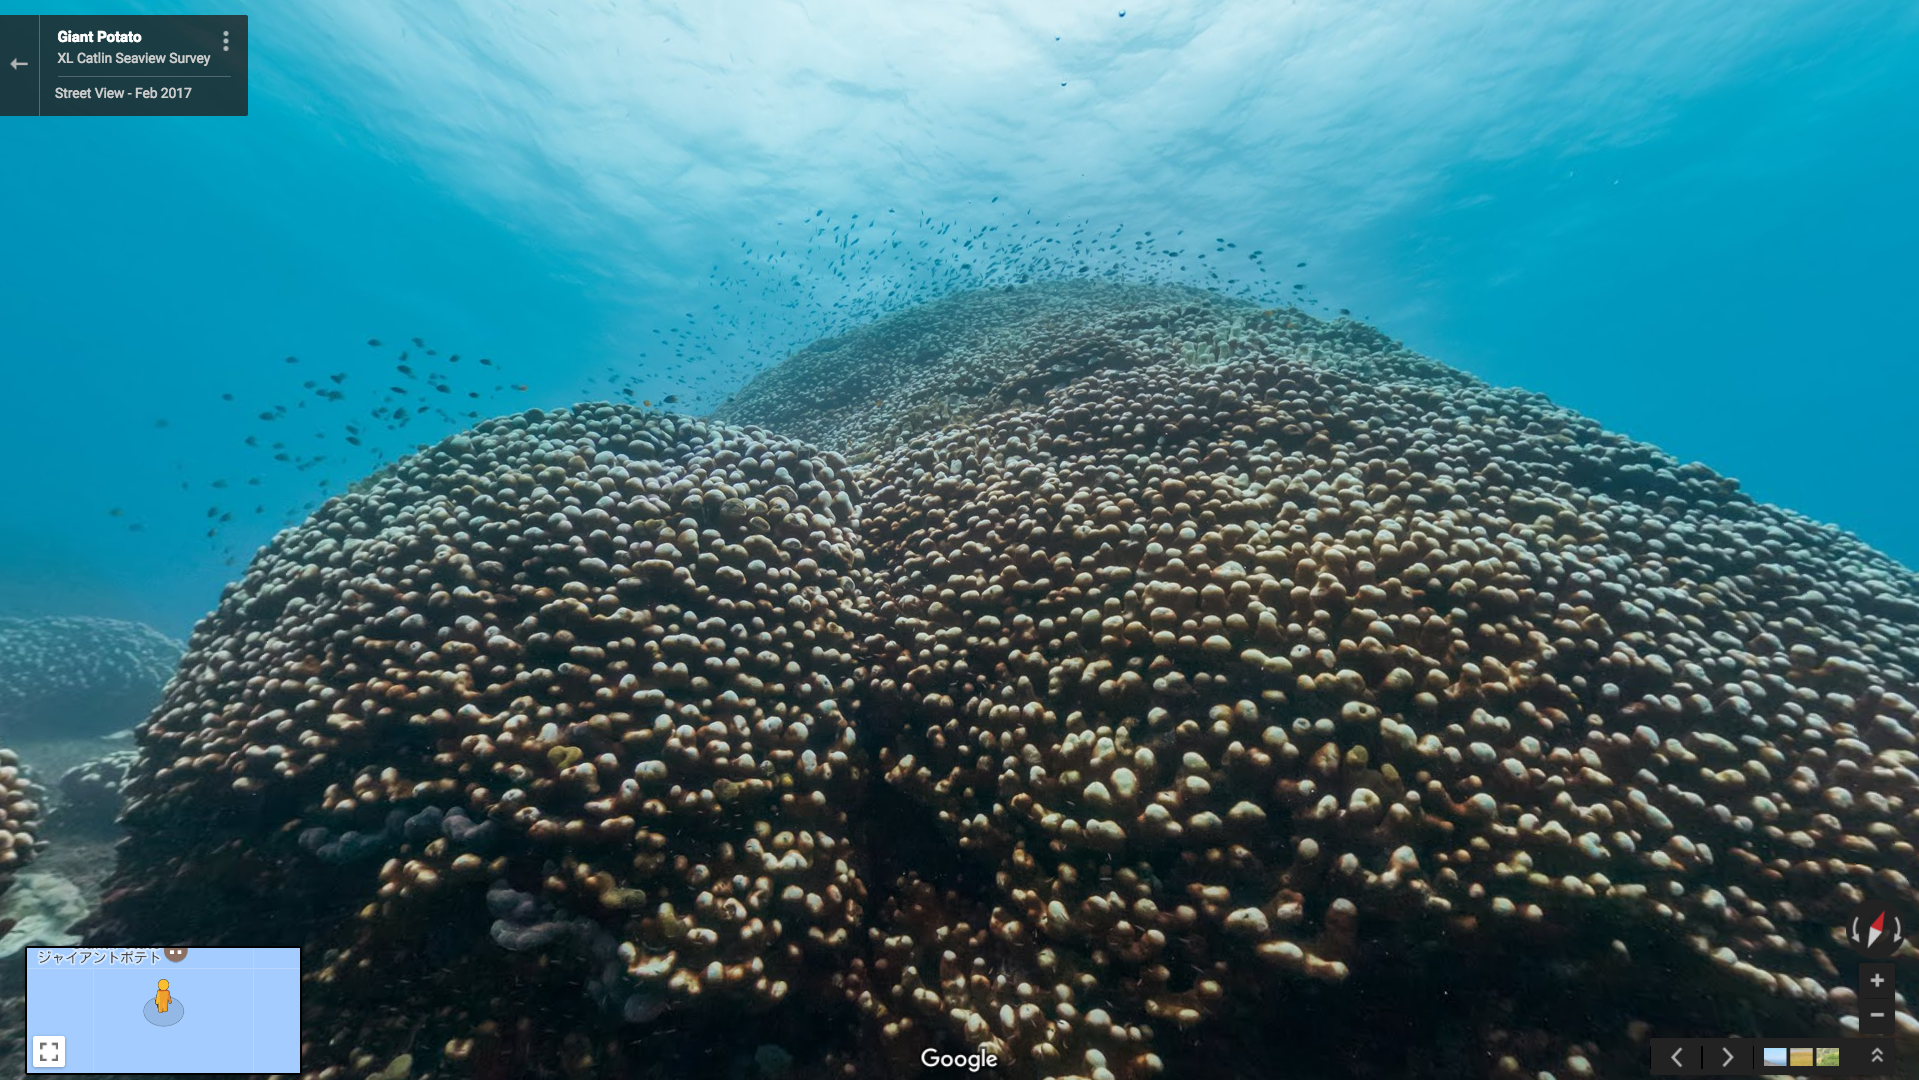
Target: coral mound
{"x":1172,"y":688}
{"x":550,"y":709}
{"x":19,"y":820}
{"x":79,"y":676}
{"x":1259,"y":682}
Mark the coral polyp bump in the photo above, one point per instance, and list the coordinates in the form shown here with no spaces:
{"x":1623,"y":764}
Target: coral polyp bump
{"x":1172,"y":687}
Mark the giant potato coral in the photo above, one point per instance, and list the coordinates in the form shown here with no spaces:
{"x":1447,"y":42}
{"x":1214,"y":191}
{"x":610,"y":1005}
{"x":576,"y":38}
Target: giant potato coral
{"x":1172,"y":685}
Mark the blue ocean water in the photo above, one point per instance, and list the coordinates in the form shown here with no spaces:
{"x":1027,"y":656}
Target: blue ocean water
{"x":1693,"y":222}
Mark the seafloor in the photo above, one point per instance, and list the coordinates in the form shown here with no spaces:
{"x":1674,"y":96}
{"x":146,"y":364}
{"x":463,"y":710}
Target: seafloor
{"x":1125,"y":680}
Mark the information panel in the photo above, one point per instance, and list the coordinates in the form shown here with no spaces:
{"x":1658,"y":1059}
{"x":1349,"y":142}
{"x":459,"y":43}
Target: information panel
{"x":123,"y":65}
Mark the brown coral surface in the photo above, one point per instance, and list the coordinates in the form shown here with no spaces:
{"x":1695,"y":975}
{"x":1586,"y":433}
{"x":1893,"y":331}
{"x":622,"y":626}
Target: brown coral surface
{"x":1174,"y":688}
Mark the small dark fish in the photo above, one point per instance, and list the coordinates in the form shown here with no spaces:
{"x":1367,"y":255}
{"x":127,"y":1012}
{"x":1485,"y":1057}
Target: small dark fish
{"x":136,"y":527}
{"x":226,"y":397}
{"x":417,"y":343}
{"x":671,"y":399}
{"x":226,"y":517}
{"x":253,"y":481}
{"x":340,"y":378}
{"x":454,"y":359}
{"x":519,"y":386}
{"x":159,"y":423}
{"x":269,"y":415}
{"x":253,"y":440}
{"x":373,"y":341}
{"x":116,"y":512}
{"x":353,"y":440}
{"x":219,"y":483}
{"x":403,"y":369}
{"x":213,"y":511}
{"x":397,"y":389}
{"x":485,"y":361}
{"x":282,"y":456}
{"x":430,"y":352}
{"x":293,"y":359}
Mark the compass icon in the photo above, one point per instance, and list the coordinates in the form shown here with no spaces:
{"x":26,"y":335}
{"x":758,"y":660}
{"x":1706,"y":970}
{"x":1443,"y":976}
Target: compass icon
{"x":1876,"y":930}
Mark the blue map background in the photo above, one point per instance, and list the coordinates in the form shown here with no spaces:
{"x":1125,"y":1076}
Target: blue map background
{"x":243,"y":1013}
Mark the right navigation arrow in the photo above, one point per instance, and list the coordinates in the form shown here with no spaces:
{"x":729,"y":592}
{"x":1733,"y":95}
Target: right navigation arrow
{"x":1727,"y":1050}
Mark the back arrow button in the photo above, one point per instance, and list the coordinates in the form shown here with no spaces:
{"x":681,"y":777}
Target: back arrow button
{"x":18,"y":64}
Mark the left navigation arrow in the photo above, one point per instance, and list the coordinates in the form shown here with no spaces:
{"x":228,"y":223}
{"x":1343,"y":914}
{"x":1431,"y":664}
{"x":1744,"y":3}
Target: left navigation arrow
{"x":18,"y":64}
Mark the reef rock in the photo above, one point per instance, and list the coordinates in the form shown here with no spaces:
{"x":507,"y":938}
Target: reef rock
{"x":39,"y":909}
{"x":90,"y":792}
